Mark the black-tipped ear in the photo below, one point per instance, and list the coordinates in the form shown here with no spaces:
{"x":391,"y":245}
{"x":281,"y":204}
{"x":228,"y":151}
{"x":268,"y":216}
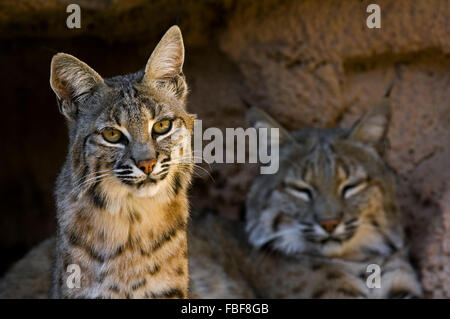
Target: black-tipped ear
{"x":165,"y":66}
{"x":71,"y":79}
{"x":372,"y":127}
{"x":260,"y":119}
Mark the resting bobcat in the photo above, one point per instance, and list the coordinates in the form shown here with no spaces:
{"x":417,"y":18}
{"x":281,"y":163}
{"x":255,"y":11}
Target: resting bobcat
{"x":121,"y":195}
{"x":312,"y":228}
{"x":316,"y":225}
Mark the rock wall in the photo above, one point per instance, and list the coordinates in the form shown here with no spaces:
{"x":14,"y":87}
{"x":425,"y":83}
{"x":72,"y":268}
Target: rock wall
{"x":308,"y":63}
{"x":316,"y":63}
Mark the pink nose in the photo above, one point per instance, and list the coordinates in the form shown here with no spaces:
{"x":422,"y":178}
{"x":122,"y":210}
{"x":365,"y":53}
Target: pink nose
{"x":147,"y":166}
{"x":329,"y":224}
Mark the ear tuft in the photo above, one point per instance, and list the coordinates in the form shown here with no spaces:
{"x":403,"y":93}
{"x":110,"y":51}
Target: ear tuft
{"x":260,"y":119}
{"x":167,"y":59}
{"x":165,"y":65}
{"x":372,"y":127}
{"x":70,"y":77}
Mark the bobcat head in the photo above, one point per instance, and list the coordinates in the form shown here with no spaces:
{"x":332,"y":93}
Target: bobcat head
{"x":333,"y":194}
{"x":128,"y":134}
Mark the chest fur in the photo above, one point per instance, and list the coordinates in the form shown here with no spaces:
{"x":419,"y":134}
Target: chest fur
{"x":139,"y":252}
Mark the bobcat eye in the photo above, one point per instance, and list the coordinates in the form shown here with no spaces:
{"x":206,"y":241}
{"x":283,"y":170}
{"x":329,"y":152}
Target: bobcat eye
{"x":112,"y":135}
{"x":162,"y":127}
{"x":352,"y":189}
{"x":303,"y":193}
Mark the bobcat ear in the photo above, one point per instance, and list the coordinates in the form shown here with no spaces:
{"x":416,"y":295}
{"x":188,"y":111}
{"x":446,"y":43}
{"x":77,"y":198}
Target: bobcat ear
{"x":165,"y":66}
{"x":260,"y":119}
{"x":372,"y":127}
{"x":71,"y":79}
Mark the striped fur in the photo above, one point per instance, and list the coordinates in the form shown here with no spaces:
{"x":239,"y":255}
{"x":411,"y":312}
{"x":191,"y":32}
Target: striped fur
{"x":125,"y":229}
{"x":325,"y":175}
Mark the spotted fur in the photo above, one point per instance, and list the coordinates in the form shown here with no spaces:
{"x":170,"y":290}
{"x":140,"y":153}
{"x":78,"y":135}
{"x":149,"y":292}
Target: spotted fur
{"x":282,"y":251}
{"x":124,"y":228}
{"x":316,"y":225}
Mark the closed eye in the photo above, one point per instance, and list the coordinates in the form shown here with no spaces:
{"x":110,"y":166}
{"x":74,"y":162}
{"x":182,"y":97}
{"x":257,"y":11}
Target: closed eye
{"x":352,"y":189}
{"x":302,"y":193}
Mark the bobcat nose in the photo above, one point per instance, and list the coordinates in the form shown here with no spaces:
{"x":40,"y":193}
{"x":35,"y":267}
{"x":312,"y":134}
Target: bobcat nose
{"x":146,"y":166}
{"x":329,"y":224}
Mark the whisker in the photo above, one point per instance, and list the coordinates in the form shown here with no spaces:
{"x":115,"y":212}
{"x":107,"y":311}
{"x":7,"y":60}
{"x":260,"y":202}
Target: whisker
{"x":127,"y":173}
{"x":306,"y":224}
{"x":90,"y":181}
{"x":89,"y":175}
{"x":352,"y":221}
{"x":178,"y":162}
{"x":277,"y":235}
{"x":205,"y":170}
{"x":96,"y":177}
{"x":161,"y":173}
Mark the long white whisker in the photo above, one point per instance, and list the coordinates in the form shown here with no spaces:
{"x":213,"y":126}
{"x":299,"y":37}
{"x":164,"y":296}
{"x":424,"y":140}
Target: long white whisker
{"x":276,"y":235}
{"x":96,"y":177}
{"x":199,"y":167}
{"x":90,"y":174}
{"x":89,"y":182}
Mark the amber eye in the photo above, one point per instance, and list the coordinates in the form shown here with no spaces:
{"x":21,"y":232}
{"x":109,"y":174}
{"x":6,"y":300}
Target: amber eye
{"x":162,"y":127}
{"x":111,"y":135}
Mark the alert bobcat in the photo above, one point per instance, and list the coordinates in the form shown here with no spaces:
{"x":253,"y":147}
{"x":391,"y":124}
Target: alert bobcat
{"x":311,"y":230}
{"x":121,"y":196}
